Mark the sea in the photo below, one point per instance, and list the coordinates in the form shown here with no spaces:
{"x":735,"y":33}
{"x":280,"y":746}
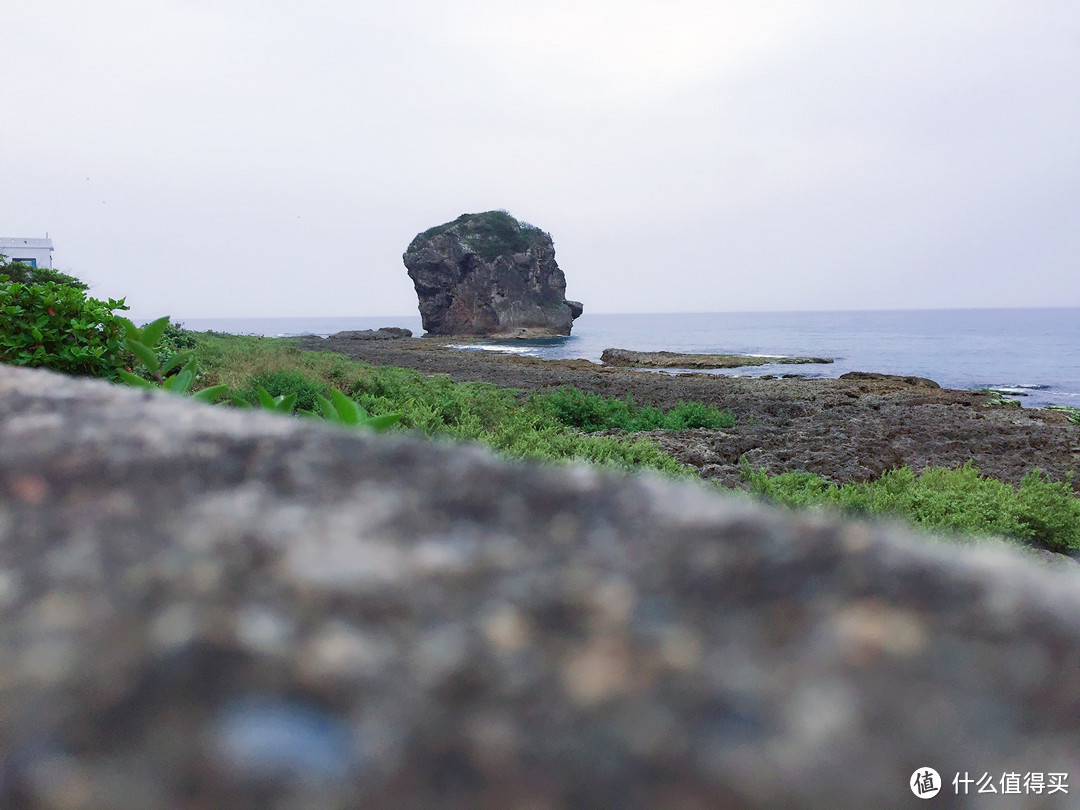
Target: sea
{"x":1032,"y":355}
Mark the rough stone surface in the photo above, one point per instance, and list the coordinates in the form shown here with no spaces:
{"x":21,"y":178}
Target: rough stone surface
{"x":631,"y":359}
{"x":875,"y":377}
{"x":488,"y":274}
{"x":206,"y":608}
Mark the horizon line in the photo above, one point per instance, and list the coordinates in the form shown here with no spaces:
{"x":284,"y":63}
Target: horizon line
{"x":664,"y":312}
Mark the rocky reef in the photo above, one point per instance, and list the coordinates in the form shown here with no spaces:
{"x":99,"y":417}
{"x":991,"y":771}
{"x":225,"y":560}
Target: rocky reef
{"x":632,"y":359}
{"x":489,"y":275}
{"x":382,"y":333}
{"x":201,"y":607}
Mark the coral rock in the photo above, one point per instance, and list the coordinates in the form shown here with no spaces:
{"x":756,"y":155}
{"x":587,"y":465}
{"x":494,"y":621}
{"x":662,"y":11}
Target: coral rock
{"x":489,"y":274}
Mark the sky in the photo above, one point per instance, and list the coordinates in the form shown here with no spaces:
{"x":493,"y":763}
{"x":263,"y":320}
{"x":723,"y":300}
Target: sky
{"x":247,"y":158}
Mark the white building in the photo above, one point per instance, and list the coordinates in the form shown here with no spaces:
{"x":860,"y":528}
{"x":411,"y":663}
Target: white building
{"x":34,"y":252}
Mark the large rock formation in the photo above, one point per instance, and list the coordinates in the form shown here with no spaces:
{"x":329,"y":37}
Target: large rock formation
{"x":488,"y":274}
{"x":201,"y":607}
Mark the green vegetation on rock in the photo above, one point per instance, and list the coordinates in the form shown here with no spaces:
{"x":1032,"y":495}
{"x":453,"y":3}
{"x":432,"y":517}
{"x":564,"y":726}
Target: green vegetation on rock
{"x":1072,"y":412}
{"x":592,"y":412}
{"x":490,"y":234}
{"x":1039,"y":512}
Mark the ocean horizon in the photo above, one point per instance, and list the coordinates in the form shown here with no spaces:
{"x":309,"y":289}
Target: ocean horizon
{"x":1030,"y":354}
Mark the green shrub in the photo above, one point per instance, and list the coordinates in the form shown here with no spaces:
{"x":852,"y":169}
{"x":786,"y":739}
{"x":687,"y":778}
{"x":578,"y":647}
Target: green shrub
{"x":1049,"y":512}
{"x":20,"y":273}
{"x":584,"y":410}
{"x":284,"y":383}
{"x":490,"y":234}
{"x":55,"y":325}
{"x":176,"y":372}
{"x":1039,"y":512}
{"x":795,"y":489}
{"x":591,"y":412}
{"x":687,"y":415}
{"x":175,"y":340}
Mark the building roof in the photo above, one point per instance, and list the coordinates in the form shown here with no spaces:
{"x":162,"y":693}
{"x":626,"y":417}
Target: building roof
{"x":20,"y":242}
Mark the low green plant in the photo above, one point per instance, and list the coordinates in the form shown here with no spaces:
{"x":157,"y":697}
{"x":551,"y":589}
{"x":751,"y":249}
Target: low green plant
{"x":433,"y":405}
{"x":591,"y":412}
{"x":339,"y":409}
{"x":304,"y":390}
{"x":57,"y":326}
{"x":174,"y":339}
{"x":1073,"y":412}
{"x":1039,"y":512}
{"x":283,"y":403}
{"x":175,"y":373}
{"x":477,"y":411}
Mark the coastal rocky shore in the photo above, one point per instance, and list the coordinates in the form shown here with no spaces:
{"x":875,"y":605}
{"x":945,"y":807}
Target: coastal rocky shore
{"x":849,"y":429}
{"x":631,"y":359}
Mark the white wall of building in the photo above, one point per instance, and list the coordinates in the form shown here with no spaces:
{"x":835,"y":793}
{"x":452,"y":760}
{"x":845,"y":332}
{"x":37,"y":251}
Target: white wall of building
{"x":37,"y":252}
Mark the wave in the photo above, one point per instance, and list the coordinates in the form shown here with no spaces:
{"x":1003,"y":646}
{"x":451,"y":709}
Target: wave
{"x":466,"y":347}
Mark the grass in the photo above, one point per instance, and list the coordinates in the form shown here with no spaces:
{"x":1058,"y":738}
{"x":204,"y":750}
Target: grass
{"x":1040,"y":512}
{"x":284,"y":382}
{"x":592,"y":412}
{"x":554,"y":426}
{"x":435,"y":406}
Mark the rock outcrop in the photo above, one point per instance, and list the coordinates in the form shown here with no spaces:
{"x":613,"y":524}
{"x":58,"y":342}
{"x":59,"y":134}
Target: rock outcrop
{"x":201,"y":607}
{"x":887,"y":380}
{"x":632,"y":359}
{"x":382,"y":333}
{"x":489,"y":274}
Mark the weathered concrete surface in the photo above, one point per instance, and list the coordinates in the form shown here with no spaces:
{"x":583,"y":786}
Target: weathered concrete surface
{"x":207,"y":608}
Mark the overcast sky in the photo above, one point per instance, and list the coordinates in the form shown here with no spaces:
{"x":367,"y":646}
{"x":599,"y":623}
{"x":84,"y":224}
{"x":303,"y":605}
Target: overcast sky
{"x":228,"y":158}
